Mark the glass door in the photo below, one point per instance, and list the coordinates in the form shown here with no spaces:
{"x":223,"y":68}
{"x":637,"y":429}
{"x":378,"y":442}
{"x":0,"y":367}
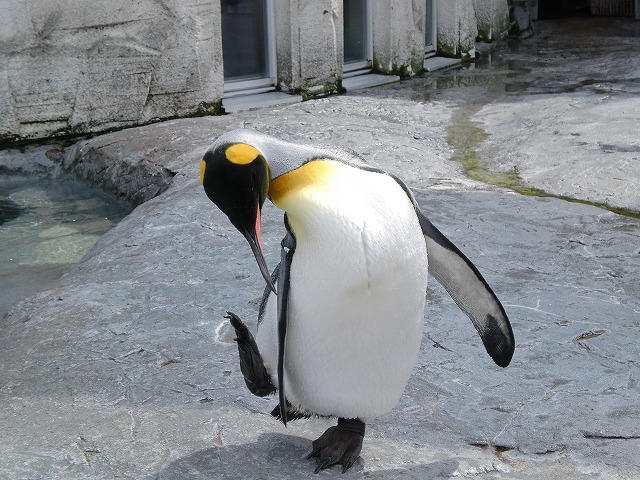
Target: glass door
{"x":357,"y":35}
{"x":247,"y":45}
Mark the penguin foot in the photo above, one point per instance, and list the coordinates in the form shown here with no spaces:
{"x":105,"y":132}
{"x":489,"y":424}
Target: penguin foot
{"x":340,"y":444}
{"x":251,"y":364}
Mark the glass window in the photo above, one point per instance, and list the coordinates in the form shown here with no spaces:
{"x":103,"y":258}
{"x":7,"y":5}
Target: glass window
{"x":245,"y":41}
{"x":355,"y":30}
{"x":430,"y":39}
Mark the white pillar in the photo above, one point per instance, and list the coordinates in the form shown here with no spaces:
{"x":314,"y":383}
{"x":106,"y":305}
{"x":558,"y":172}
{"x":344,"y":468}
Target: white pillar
{"x":309,"y":45}
{"x":398,"y":36}
{"x":457,"y":30}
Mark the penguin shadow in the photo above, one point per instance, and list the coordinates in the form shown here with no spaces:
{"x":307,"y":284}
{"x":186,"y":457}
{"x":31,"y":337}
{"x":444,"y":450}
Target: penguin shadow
{"x":280,"y":456}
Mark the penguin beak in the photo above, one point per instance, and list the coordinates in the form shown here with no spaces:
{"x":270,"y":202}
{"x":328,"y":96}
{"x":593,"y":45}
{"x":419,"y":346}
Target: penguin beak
{"x":254,"y":238}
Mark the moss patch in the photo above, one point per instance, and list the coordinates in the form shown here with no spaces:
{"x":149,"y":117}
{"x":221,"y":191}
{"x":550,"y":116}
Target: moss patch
{"x":330,"y":87}
{"x":208,"y":108}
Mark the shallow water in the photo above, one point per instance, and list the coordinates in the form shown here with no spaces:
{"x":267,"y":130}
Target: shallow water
{"x":47,"y":225}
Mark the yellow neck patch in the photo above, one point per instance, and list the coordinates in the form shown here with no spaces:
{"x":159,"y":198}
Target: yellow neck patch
{"x":313,"y":174}
{"x":241,"y":153}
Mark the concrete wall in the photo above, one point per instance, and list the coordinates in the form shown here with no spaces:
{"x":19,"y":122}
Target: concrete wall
{"x":309,"y":45}
{"x":492,"y":19}
{"x":398,"y":36}
{"x":73,"y":66}
{"x":457,"y":28}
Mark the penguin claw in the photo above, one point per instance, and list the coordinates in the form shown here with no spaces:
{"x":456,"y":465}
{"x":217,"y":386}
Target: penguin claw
{"x":339,"y":445}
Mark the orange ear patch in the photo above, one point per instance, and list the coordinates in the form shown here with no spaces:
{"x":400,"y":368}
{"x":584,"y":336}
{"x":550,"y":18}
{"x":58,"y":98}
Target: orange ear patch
{"x":203,"y":167}
{"x":241,"y":153}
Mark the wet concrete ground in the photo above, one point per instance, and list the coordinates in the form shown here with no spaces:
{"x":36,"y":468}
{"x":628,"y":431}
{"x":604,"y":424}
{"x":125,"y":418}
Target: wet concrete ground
{"x":125,"y":367}
{"x":557,"y":113}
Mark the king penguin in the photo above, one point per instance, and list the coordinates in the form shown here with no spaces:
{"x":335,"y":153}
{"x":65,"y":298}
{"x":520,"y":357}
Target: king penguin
{"x":341,"y":318}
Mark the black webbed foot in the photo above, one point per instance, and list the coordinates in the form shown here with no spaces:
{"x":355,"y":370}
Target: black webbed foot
{"x":251,"y":365}
{"x":340,"y":444}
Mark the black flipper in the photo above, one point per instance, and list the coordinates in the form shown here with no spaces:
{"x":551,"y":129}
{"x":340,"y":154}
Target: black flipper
{"x":462,"y":280}
{"x":251,"y":364}
{"x":286,"y":256}
{"x":340,"y":444}
{"x":470,"y":291}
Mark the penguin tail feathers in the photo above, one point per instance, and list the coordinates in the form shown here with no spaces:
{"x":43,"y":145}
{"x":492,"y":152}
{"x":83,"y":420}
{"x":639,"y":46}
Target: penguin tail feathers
{"x":292,"y":412}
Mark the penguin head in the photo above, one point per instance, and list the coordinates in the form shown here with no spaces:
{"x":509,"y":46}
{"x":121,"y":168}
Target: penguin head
{"x":244,"y":167}
{"x":235,"y":176}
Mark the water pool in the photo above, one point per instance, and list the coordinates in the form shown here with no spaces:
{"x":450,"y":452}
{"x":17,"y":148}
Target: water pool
{"x":47,"y":225}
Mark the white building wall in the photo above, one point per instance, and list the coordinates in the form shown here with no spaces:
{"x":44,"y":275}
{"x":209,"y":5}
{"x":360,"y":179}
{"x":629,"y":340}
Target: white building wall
{"x":398,"y":36}
{"x":457,"y":28}
{"x":72,"y":66}
{"x":309,"y":45}
{"x":492,"y":19}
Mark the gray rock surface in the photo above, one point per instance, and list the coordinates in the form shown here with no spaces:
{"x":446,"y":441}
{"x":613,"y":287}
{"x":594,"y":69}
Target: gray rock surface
{"x":125,"y":367}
